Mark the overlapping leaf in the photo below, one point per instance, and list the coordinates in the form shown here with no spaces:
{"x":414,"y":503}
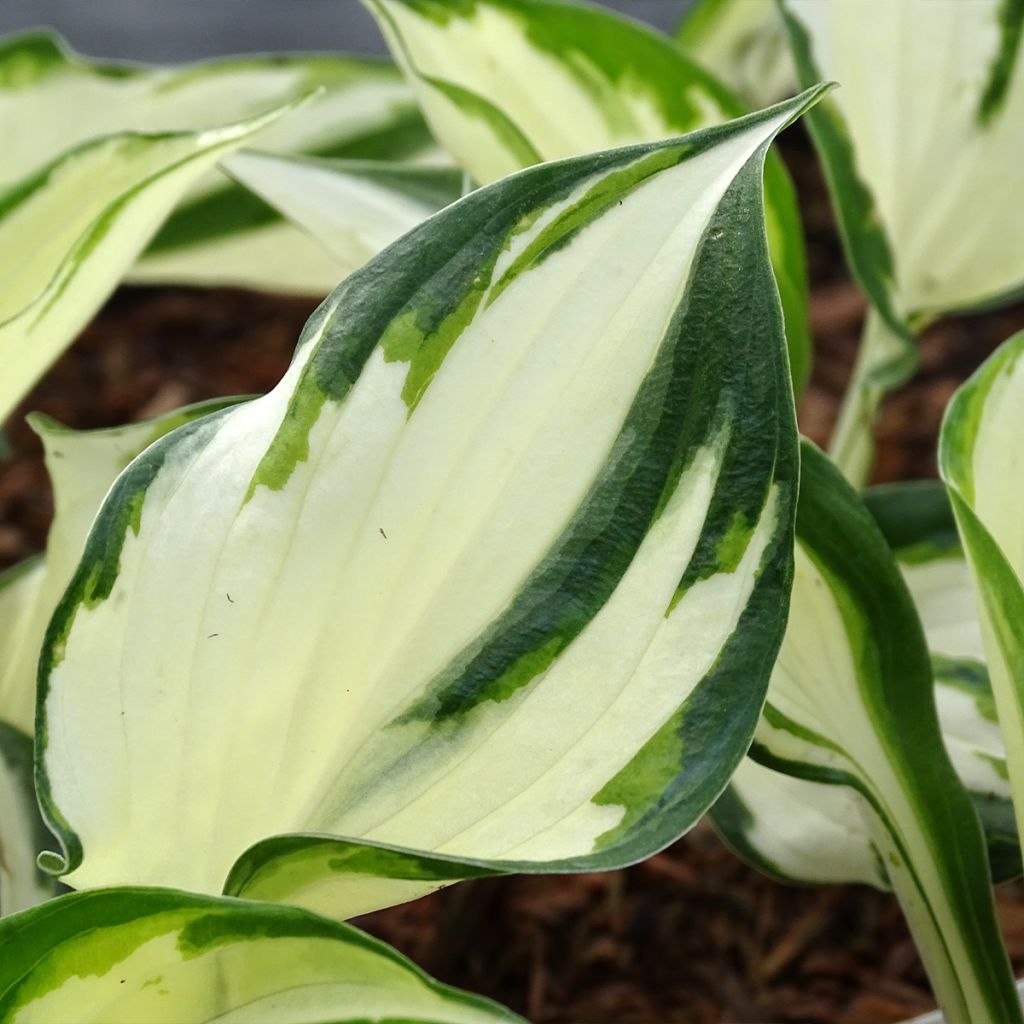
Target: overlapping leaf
{"x":920,"y":147}
{"x":438,"y":580}
{"x":352,"y":208}
{"x":155,"y":955}
{"x":850,"y":706}
{"x":981,"y":464}
{"x":810,"y":832}
{"x":507,"y":83}
{"x":53,"y":100}
{"x":69,"y":232}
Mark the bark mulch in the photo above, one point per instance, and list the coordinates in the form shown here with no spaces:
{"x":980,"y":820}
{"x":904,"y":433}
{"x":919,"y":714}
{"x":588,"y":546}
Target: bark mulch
{"x":691,"y":935}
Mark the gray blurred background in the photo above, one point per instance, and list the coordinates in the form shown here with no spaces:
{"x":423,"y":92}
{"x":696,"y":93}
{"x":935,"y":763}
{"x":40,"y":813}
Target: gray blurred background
{"x":179,"y":30}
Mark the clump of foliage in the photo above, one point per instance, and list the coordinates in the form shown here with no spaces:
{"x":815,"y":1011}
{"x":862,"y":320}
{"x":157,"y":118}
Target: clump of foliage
{"x":522,"y":566}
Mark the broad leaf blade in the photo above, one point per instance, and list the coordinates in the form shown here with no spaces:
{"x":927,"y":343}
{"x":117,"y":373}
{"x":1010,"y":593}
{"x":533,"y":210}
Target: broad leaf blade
{"x":507,"y":83}
{"x":52,"y":100}
{"x":518,"y":457}
{"x":850,"y":703}
{"x":89,"y":214}
{"x":133,"y":955}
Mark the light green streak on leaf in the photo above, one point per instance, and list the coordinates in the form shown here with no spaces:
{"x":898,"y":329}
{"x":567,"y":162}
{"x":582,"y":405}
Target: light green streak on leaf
{"x":643,"y":780}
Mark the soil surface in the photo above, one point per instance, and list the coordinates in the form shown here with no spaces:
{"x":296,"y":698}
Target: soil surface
{"x":692,"y":934}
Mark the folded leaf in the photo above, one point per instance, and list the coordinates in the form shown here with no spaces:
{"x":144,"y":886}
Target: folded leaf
{"x":88,"y":215}
{"x":353,"y":208}
{"x":507,"y":83}
{"x":438,"y":578}
{"x":129,"y":955}
{"x":52,"y":100}
{"x":916,"y":146}
{"x":980,"y":464}
{"x":22,"y":832}
{"x":850,"y":705}
{"x":809,"y":832}
{"x":741,"y":41}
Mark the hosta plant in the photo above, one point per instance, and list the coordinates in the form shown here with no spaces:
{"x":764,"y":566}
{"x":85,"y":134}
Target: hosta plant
{"x":521,"y":557}
{"x":458,"y":553}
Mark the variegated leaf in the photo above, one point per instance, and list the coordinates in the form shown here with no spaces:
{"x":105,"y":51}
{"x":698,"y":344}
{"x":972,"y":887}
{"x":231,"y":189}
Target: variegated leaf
{"x":19,"y":589}
{"x":507,"y":83}
{"x":920,"y":147}
{"x":22,"y":832}
{"x":52,"y":100}
{"x":353,"y":208}
{"x":808,"y":832}
{"x":980,"y":460}
{"x":438,"y":579}
{"x":82,"y":465}
{"x":850,"y":705}
{"x":88,"y":215}
{"x":120,"y":956}
{"x":743,"y":42}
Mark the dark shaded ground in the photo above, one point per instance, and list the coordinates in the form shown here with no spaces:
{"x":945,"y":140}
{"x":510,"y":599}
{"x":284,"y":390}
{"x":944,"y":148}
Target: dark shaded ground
{"x":691,"y":935}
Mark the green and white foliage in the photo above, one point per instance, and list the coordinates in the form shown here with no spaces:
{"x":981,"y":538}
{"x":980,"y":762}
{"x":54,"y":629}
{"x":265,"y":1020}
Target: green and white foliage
{"x":743,"y":43}
{"x":980,"y":461}
{"x":809,"y":832}
{"x":921,"y":147}
{"x":507,"y":83}
{"x":120,"y":956}
{"x":850,"y":707}
{"x":22,"y":832}
{"x":524,"y":458}
{"x":82,"y":466}
{"x":353,"y":208}
{"x":69,"y":232}
{"x":53,"y":100}
{"x":917,"y":521}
